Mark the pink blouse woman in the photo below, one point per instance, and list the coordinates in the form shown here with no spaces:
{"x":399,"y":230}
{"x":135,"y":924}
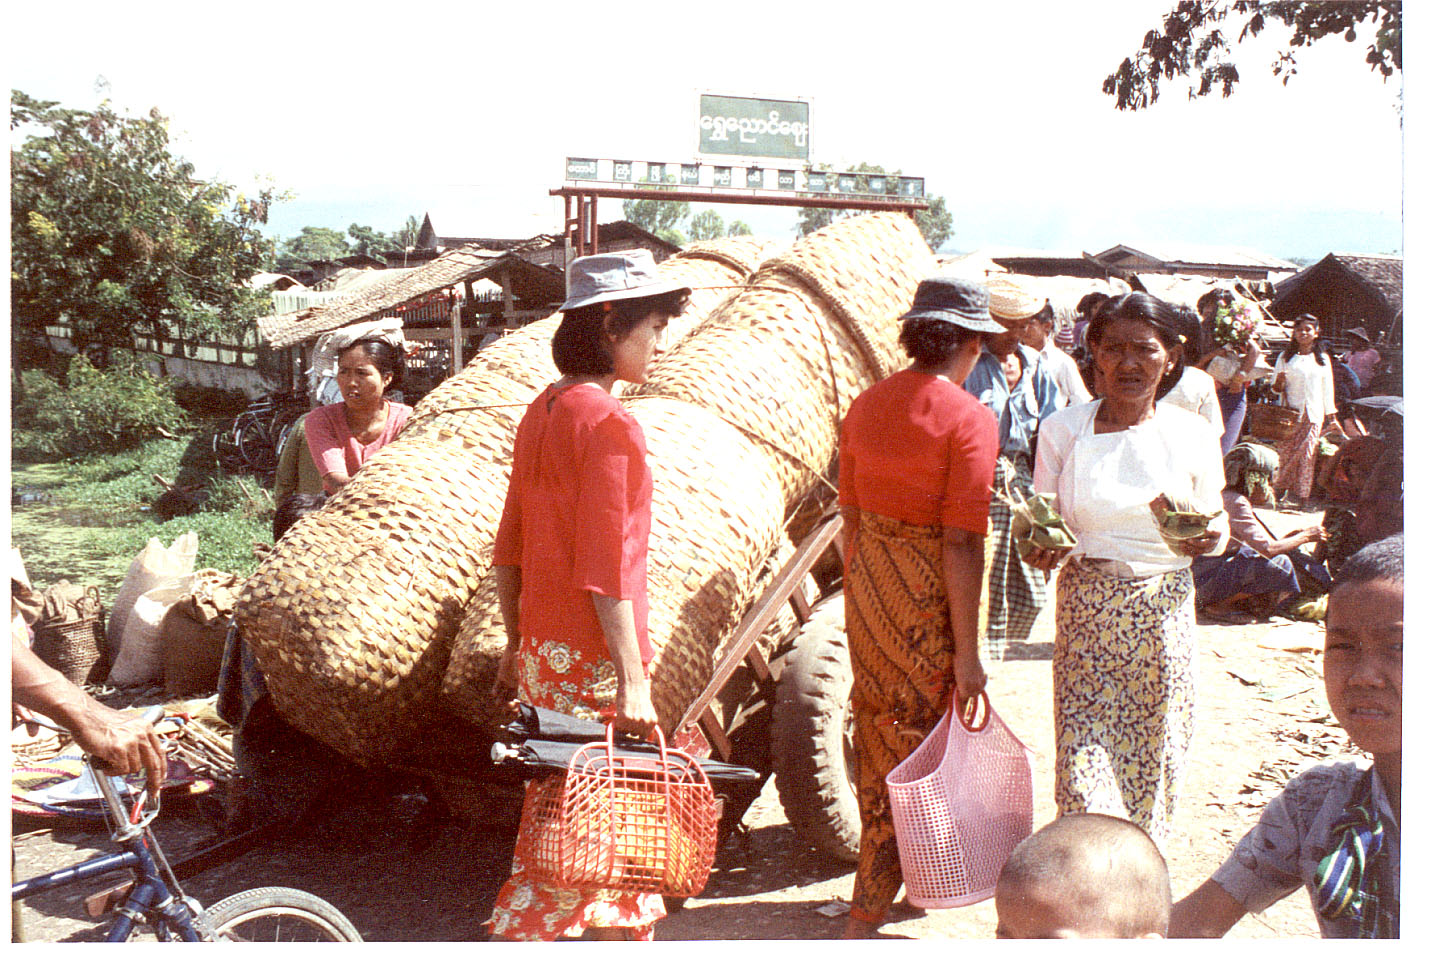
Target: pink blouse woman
{"x":343,"y":436}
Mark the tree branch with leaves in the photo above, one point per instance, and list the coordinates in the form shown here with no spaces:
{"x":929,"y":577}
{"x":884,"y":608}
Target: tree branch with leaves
{"x":1192,"y":41}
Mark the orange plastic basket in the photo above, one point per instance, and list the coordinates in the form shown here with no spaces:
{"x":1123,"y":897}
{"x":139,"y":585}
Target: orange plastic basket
{"x":644,"y":824}
{"x":961,"y":803}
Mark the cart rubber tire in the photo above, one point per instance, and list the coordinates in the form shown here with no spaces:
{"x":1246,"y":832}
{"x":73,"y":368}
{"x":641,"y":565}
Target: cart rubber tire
{"x":317,"y":918}
{"x":811,"y":736}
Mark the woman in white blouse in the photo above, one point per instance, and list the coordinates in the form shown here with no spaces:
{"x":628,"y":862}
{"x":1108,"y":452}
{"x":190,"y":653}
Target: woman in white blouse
{"x":1305,"y":378}
{"x":1125,"y":602}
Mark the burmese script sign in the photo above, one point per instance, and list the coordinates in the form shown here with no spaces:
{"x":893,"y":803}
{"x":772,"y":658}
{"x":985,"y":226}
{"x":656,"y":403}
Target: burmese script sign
{"x":751,"y":127}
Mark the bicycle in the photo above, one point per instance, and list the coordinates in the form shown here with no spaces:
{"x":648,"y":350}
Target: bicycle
{"x":156,"y":900}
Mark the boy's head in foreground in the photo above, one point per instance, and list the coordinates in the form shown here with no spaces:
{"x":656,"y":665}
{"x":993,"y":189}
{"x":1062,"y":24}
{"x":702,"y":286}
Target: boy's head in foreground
{"x":1086,"y":875}
{"x":1364,"y":644}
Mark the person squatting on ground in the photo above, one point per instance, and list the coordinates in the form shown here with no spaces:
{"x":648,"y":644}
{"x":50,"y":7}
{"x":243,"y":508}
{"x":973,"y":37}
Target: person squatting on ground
{"x":570,"y":557}
{"x":1085,"y":875}
{"x":916,"y":457}
{"x":1125,"y":602}
{"x":1010,"y":379}
{"x":1258,"y":573}
{"x":1335,"y":829}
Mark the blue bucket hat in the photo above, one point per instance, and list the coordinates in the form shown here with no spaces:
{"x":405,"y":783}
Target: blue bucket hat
{"x":619,"y":275}
{"x":956,"y":301}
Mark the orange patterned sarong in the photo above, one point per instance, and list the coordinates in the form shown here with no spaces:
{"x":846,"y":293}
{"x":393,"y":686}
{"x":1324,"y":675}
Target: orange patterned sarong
{"x":897,"y":620}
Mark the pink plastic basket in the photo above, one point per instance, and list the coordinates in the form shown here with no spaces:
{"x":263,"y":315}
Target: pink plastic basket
{"x":961,"y":802}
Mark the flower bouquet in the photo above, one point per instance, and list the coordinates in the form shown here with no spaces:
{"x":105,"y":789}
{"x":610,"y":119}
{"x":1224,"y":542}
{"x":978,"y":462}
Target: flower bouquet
{"x":1235,"y":322}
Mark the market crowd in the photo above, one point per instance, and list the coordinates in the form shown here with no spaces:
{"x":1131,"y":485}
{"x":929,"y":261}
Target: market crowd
{"x":1114,"y":424}
{"x":1126,"y":450}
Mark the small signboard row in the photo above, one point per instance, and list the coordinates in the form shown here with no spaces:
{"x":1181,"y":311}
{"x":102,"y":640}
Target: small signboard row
{"x":702,"y":175}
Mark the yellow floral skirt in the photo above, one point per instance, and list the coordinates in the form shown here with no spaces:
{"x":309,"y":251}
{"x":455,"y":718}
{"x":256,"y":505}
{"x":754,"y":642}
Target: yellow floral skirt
{"x":1124,"y":693}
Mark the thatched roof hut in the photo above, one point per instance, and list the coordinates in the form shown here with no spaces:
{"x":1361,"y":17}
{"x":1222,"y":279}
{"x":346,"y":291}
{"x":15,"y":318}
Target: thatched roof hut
{"x":1346,"y":290}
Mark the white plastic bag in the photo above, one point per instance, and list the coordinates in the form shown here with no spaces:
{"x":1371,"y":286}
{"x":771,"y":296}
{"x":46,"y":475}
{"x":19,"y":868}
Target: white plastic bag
{"x":141,"y":658}
{"x":154,"y":566}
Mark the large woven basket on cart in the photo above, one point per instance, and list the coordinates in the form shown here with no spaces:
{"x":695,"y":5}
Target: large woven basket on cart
{"x":618,"y":822}
{"x":741,"y":422}
{"x":352,"y":615}
{"x":1272,"y":422}
{"x":75,"y":645}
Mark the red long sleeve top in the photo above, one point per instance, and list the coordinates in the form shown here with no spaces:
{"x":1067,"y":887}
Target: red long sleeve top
{"x":577,"y":516}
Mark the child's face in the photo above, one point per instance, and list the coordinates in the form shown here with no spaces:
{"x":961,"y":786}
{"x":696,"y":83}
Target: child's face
{"x":1364,"y":644}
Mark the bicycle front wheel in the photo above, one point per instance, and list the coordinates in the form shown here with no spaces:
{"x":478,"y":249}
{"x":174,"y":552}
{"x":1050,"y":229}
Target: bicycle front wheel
{"x":278,"y":915}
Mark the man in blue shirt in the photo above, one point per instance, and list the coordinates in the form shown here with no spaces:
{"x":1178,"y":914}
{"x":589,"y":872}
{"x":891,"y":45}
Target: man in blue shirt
{"x":1019,"y":389}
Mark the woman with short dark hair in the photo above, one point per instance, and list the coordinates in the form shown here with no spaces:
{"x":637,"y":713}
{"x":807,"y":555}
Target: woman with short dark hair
{"x":917,"y":454}
{"x":570,"y":558}
{"x":343,"y":436}
{"x":1125,"y":601}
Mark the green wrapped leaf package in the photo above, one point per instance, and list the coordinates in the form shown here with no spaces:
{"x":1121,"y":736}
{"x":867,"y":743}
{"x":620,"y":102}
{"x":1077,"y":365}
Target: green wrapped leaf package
{"x":1179,"y":520}
{"x":1037,"y":525}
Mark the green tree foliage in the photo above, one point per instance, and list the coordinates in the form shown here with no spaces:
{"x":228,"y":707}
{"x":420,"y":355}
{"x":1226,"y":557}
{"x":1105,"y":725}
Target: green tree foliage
{"x":407,"y":235}
{"x":935,"y":223}
{"x":99,"y":411}
{"x":738,"y":228}
{"x":312,"y":243}
{"x":707,"y":225}
{"x":113,"y":232}
{"x":369,"y":241}
{"x":660,"y":217}
{"x":1192,"y":41}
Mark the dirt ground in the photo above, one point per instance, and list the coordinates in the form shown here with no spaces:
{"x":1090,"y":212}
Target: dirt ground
{"x":1261,"y":715}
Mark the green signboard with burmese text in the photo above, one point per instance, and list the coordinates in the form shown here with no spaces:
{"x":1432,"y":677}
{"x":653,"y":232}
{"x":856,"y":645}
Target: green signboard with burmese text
{"x":751,"y":127}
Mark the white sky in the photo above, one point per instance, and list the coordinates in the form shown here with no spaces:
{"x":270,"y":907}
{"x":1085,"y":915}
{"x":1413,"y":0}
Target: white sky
{"x":471,"y":108}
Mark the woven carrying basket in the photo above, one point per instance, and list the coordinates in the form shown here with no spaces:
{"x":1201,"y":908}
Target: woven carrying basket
{"x":76,"y":646}
{"x":636,"y":824}
{"x":1272,"y":423}
{"x":741,"y":420}
{"x":351,"y":617}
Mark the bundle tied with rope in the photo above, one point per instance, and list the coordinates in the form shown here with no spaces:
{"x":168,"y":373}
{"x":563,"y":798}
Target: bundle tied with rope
{"x":742,"y":424}
{"x":352,"y":616}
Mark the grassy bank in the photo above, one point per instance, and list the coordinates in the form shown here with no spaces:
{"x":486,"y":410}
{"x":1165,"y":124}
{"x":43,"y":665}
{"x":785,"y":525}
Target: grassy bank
{"x":95,"y":515}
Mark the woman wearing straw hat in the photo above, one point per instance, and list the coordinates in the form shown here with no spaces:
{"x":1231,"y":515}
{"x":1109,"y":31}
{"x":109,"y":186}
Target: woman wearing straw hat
{"x":1124,"y":600}
{"x":916,"y":457}
{"x":1020,"y":391}
{"x":570,"y":557}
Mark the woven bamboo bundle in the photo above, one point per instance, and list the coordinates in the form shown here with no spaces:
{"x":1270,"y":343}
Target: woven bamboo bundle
{"x":716,"y":510}
{"x":742,"y":421}
{"x":352,"y":615}
{"x":714,"y":269}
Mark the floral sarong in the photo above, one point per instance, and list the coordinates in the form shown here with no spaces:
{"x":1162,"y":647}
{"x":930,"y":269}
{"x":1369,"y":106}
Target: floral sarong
{"x":555,"y":675}
{"x":1124,"y":693}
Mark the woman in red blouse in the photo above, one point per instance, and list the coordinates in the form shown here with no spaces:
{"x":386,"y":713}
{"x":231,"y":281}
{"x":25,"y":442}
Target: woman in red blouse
{"x":570,"y":557}
{"x":917,"y":458}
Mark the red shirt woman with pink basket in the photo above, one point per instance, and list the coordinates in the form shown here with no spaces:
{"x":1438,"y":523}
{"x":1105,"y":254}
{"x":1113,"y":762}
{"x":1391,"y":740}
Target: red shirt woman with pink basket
{"x":570,"y":558}
{"x":917,"y":457}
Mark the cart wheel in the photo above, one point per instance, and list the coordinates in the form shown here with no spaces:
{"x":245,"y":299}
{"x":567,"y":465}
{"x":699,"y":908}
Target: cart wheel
{"x":812,"y":736}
